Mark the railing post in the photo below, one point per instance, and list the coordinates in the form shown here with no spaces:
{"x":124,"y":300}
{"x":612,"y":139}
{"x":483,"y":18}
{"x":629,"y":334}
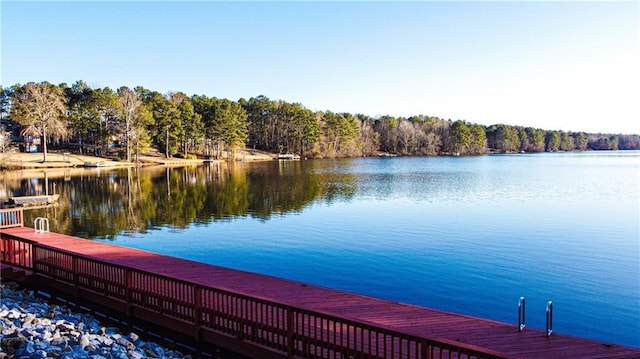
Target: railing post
{"x":424,"y":352}
{"x":549,"y":318}
{"x":290,"y":333}
{"x":521,"y":314}
{"x":35,"y":256}
{"x":128,"y":294}
{"x":74,"y":273}
{"x":197,"y":311}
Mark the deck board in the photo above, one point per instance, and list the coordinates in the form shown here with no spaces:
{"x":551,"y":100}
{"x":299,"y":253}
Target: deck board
{"x":411,"y":319}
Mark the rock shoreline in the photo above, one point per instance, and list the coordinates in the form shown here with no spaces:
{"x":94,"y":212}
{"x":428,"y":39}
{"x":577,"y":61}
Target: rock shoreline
{"x":32,"y":328}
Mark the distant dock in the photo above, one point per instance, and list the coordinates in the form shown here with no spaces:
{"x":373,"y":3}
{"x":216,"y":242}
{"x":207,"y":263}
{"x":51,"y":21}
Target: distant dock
{"x":31,"y":201}
{"x":262,"y":316}
{"x":288,"y":157}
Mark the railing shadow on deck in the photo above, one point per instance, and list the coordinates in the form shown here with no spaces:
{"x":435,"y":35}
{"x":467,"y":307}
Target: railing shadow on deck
{"x":249,"y":325}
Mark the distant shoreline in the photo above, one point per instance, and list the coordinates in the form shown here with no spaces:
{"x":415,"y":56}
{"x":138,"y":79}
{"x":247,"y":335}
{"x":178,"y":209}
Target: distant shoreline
{"x":25,"y":161}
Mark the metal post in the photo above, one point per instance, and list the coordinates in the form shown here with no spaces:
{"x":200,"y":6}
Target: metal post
{"x":521,"y":314}
{"x":549,"y":318}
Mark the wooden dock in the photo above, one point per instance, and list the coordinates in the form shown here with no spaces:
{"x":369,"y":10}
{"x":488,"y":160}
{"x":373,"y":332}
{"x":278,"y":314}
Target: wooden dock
{"x":33,"y":201}
{"x":266,"y":317}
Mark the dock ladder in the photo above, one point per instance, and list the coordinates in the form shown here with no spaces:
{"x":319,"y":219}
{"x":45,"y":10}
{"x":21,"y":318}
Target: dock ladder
{"x":521,"y":314}
{"x":41,"y":224}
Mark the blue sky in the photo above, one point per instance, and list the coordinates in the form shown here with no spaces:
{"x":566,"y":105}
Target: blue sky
{"x":572,"y":66}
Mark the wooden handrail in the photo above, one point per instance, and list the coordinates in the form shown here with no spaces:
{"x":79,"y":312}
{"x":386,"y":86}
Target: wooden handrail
{"x":11,"y":217}
{"x":286,"y":330}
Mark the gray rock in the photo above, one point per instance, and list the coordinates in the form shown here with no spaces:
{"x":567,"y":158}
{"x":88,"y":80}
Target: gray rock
{"x":103,"y":341}
{"x":84,"y":341}
{"x":153,"y":350}
{"x":79,"y":353}
{"x":110,"y":330}
{"x":117,"y":350}
{"x":125,"y":343}
{"x":30,"y":348}
{"x":58,"y":341}
{"x":13,"y":314}
{"x":133,"y":337}
{"x":7,"y":332}
{"x":135,"y":354}
{"x":28,"y":333}
{"x":38,"y":354}
{"x":64,"y":326}
{"x":94,"y":326}
{"x":41,"y":345}
{"x":29,"y":318}
{"x":53,"y":351}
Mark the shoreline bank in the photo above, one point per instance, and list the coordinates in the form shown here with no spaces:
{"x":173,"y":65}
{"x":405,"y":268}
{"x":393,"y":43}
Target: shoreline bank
{"x":19,"y":160}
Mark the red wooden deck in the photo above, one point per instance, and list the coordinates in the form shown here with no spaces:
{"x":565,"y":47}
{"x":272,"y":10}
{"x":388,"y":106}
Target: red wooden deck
{"x":257,"y":292}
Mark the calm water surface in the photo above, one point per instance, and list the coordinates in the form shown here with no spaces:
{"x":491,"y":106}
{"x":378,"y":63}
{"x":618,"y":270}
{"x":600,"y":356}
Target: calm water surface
{"x":462,"y":234}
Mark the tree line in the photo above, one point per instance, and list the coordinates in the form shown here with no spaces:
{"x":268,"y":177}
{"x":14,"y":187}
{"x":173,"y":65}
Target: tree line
{"x":127,"y":122}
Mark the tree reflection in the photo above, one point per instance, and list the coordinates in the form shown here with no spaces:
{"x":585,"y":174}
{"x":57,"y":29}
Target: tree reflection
{"x":99,"y":203}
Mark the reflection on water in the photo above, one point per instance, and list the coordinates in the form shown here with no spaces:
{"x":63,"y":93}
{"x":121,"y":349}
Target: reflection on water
{"x":100,"y":203}
{"x":463,"y":234}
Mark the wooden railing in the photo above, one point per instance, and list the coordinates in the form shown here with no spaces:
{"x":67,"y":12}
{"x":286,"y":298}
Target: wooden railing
{"x":285,"y":331}
{"x":11,"y":217}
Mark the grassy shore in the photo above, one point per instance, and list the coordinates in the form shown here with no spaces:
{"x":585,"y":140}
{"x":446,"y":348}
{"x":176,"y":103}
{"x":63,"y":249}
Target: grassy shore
{"x":20,"y":160}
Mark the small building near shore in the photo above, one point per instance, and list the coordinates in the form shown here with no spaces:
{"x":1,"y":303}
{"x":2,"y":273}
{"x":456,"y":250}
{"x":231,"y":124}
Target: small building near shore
{"x":31,"y":139}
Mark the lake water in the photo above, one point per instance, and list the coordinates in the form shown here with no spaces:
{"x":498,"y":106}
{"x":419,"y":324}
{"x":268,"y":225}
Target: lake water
{"x":462,"y":234}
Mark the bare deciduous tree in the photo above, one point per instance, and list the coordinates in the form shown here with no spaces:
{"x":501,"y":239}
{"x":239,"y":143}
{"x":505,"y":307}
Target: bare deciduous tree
{"x":42,"y":106}
{"x":130,"y":102}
